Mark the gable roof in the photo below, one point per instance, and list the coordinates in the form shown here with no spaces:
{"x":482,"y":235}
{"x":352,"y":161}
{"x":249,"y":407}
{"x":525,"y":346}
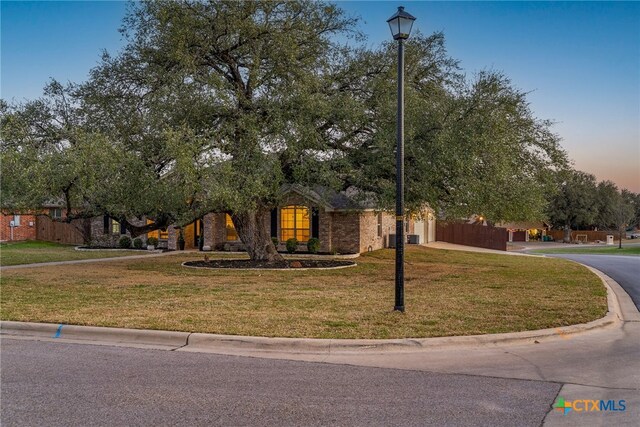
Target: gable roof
{"x":331,"y":200}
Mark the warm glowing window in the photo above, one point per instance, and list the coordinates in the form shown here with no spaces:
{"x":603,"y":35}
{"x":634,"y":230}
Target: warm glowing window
{"x":115,"y":227}
{"x":294,"y":222}
{"x":158,"y":234}
{"x":231,"y":229}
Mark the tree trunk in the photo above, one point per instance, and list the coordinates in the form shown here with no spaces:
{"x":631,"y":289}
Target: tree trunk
{"x":567,"y":234}
{"x":620,"y":237}
{"x":253,"y":231}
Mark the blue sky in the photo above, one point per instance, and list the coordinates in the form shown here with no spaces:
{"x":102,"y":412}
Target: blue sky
{"x":579,"y":60}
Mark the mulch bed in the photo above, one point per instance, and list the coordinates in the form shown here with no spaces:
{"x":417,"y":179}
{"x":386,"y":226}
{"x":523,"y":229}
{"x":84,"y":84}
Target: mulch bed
{"x":247,"y":263}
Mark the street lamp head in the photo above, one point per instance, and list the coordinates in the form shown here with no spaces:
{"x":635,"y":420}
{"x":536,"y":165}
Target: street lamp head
{"x":400,"y":24}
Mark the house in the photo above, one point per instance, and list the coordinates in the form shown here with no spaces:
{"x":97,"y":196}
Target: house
{"x":17,"y":226}
{"x":340,"y":222}
{"x":23,"y":225}
{"x":524,"y":231}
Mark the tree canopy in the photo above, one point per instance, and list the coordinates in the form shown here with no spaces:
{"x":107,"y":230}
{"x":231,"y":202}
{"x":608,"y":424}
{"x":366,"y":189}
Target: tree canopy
{"x":214,"y":106}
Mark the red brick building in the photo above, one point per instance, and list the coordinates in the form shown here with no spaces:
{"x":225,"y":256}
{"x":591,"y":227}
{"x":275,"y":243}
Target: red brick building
{"x":16,"y":227}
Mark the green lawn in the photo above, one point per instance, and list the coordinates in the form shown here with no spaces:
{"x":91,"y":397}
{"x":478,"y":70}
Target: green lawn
{"x":599,"y":250}
{"x":31,"y":252}
{"x":447,"y":293}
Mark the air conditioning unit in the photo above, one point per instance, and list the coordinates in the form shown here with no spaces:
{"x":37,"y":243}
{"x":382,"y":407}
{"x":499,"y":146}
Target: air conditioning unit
{"x":391,"y":243}
{"x":414,"y":239}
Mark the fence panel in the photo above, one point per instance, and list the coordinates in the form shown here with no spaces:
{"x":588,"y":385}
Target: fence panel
{"x":55,"y":231}
{"x":479,"y":236}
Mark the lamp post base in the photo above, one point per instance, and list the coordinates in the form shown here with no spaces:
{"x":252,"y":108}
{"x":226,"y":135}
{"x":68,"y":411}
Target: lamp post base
{"x":399,"y":308}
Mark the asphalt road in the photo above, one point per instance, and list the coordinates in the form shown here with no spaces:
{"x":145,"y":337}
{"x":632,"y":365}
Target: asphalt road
{"x":53,"y":384}
{"x":624,"y":269}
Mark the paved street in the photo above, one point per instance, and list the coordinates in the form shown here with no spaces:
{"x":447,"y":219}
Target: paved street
{"x":46,"y":383}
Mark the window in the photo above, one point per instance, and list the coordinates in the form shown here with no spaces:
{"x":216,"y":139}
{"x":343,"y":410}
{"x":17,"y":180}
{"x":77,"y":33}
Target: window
{"x":16,"y":220}
{"x":231,"y":229}
{"x":162,"y":234}
{"x":294,"y":223}
{"x":380,"y":224}
{"x":55,"y":213}
{"x":115,"y":227}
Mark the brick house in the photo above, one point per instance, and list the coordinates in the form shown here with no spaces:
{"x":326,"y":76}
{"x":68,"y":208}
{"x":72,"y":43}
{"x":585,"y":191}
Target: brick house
{"x":16,"y":227}
{"x":341,"y":223}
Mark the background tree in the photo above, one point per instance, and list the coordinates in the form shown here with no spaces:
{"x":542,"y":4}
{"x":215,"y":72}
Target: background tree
{"x":615,"y":212}
{"x":574,"y":204}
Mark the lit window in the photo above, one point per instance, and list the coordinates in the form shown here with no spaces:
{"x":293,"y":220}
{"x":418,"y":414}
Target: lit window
{"x":231,"y":229}
{"x":115,"y":227}
{"x":294,"y":223}
{"x":158,"y":234}
{"x":55,"y":213}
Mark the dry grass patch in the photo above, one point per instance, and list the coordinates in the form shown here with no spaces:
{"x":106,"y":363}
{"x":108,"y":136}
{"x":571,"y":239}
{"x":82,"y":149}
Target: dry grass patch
{"x":447,"y":293}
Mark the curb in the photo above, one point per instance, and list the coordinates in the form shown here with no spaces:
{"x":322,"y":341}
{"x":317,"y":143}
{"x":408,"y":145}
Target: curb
{"x":620,"y":309}
{"x":96,"y":335}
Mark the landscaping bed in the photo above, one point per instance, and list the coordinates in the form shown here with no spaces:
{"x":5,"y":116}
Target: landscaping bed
{"x":285,"y":264}
{"x":446,"y":293}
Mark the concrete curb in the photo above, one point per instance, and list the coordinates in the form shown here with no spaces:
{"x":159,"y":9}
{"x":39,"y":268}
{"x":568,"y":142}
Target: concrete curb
{"x":621,"y":308}
{"x":94,"y":334}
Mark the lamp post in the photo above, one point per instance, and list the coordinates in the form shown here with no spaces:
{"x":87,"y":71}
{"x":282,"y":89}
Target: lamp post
{"x":400,"y":24}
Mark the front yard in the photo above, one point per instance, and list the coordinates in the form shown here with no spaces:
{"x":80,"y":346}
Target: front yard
{"x":447,"y":293}
{"x":31,"y":252}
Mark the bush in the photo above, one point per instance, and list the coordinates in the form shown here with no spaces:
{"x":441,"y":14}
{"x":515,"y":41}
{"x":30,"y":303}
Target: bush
{"x":275,"y":241}
{"x":313,"y":245}
{"x":292,"y":245}
{"x":137,"y":243}
{"x":124,"y":242}
{"x":152,"y":241}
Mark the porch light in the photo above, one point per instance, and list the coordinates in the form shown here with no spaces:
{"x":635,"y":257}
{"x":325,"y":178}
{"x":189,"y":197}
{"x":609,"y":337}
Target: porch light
{"x":400,"y":24}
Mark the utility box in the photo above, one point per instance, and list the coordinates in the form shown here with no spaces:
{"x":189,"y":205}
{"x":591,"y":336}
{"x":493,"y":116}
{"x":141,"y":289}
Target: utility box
{"x":413,"y":239}
{"x":392,"y":241}
{"x":609,"y":239}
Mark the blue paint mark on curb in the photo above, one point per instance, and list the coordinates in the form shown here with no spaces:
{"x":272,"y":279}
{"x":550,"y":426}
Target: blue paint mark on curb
{"x":59,"y":331}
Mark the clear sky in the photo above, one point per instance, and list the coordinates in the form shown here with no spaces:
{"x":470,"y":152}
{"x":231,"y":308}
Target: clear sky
{"x":579,"y":60}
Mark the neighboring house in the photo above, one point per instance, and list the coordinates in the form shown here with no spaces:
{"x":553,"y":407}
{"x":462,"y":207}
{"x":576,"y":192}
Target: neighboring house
{"x":16,"y":227}
{"x":524,"y":231}
{"x":342,"y":224}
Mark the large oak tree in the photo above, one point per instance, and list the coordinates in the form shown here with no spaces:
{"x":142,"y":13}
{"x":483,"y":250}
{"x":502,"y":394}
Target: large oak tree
{"x":213,"y":106}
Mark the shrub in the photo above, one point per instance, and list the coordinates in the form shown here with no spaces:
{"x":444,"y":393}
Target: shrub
{"x":275,"y":241}
{"x":313,"y":245}
{"x":152,"y":241}
{"x":292,"y":245}
{"x":137,"y":243}
{"x":124,"y":242}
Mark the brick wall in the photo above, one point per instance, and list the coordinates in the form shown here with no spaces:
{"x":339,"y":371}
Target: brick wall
{"x":370,"y":236}
{"x":25,"y":231}
{"x":345,"y":232}
{"x":100,"y":238}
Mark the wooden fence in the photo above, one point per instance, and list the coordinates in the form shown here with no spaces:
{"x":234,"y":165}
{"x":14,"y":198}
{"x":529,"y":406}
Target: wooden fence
{"x":582,"y":235}
{"x":60,"y":232}
{"x":479,"y":236}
